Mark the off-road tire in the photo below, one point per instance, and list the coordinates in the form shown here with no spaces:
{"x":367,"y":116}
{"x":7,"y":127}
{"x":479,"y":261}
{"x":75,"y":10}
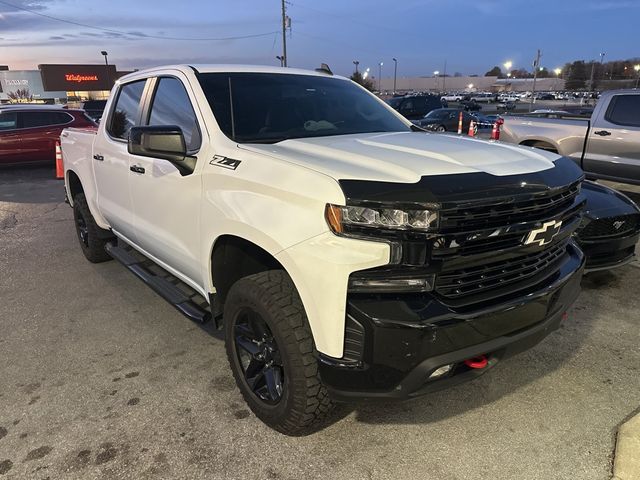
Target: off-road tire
{"x":91,"y":237}
{"x":304,"y":404}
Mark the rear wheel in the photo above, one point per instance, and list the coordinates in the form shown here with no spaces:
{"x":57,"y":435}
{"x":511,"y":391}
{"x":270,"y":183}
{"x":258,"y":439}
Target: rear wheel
{"x":90,"y":235}
{"x":270,"y":350}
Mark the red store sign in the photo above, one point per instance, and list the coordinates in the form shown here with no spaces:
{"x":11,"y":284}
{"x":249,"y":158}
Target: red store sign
{"x":75,"y":77}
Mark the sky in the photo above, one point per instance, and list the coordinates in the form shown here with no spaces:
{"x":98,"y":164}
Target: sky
{"x":471,"y":36}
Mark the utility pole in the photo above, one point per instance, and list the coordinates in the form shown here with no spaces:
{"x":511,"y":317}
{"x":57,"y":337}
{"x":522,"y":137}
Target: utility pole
{"x":536,"y":65}
{"x":444,"y":77}
{"x":395,"y":74}
{"x":284,"y":35}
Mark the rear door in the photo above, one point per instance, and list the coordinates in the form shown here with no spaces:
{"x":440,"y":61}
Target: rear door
{"x":39,"y":131}
{"x":166,"y":203}
{"x":10,"y":144}
{"x":613,"y":146}
{"x":111,"y":158}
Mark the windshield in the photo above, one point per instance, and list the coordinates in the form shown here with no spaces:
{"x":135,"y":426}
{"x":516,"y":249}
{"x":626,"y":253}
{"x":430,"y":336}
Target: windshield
{"x":395,"y":102}
{"x":271,"y":107}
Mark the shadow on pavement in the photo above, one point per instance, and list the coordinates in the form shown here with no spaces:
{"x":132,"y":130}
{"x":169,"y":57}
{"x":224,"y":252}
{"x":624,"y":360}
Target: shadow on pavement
{"x":30,"y":181}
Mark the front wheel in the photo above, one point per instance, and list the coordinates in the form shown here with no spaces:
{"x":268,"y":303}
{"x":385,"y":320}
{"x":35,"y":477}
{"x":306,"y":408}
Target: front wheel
{"x":270,"y":350}
{"x":89,"y":233}
{"x":441,"y":128}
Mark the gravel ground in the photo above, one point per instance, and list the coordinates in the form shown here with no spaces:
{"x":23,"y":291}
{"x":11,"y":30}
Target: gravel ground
{"x":99,"y":378}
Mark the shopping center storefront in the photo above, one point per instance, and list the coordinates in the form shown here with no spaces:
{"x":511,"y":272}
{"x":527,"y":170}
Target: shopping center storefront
{"x":57,"y":84}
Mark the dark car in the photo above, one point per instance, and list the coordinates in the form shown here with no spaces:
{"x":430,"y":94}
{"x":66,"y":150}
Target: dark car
{"x":414,"y":107}
{"x":28,"y":134}
{"x":610,"y":227}
{"x":445,"y":120}
{"x":471,"y":105}
{"x":94,"y":108}
{"x":485,"y":121}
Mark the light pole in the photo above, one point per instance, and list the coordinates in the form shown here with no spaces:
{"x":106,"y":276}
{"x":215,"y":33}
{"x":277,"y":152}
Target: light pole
{"x":435,"y":75}
{"x":637,"y":69}
{"x":106,"y":62}
{"x":356,"y":63}
{"x":395,"y":74}
{"x":507,"y":66}
{"x":281,"y":58}
{"x":380,"y":76}
{"x":557,"y":71}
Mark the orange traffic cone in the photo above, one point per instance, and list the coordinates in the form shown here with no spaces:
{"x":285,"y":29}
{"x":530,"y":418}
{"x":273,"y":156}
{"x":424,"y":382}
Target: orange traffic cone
{"x":460,"y":124}
{"x":59,"y":163}
{"x":495,"y":132}
{"x":472,"y":128}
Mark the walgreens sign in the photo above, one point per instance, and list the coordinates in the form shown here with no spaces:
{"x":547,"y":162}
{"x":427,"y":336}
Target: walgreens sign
{"x":76,"y":77}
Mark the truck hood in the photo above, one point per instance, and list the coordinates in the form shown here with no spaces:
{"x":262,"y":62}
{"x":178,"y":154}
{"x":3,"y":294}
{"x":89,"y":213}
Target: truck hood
{"x":405,"y":156}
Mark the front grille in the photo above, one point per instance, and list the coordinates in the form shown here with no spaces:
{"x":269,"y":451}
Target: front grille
{"x":610,"y":227}
{"x":480,"y":215}
{"x":482,"y":279}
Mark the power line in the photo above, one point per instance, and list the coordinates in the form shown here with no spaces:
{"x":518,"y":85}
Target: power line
{"x":142,"y":36}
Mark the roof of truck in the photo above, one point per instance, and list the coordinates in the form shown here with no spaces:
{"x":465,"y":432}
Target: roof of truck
{"x":231,"y":68}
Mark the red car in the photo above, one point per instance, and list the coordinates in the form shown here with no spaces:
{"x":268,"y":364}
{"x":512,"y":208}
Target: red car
{"x":28,"y":133}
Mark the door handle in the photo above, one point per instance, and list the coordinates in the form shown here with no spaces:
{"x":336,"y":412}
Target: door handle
{"x":602,"y":133}
{"x":100,"y":158}
{"x":136,"y":169}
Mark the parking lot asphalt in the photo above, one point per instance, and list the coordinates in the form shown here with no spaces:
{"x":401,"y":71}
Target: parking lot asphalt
{"x":100,"y":378}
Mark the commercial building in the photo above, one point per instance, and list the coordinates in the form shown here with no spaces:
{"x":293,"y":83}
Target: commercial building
{"x":57,"y":84}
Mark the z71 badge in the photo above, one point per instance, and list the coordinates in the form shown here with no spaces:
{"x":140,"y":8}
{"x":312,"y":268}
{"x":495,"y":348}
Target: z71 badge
{"x":224,"y":162}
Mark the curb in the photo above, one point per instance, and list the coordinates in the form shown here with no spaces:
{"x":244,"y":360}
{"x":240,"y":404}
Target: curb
{"x":626,"y":463}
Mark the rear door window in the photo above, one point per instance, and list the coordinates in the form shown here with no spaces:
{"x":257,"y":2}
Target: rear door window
{"x":624,"y":110}
{"x":126,"y":113}
{"x":8,"y":121}
{"x":171,"y":106}
{"x":42,"y":119}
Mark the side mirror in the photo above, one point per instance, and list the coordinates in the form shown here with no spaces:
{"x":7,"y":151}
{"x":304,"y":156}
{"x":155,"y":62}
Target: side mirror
{"x":158,"y":141}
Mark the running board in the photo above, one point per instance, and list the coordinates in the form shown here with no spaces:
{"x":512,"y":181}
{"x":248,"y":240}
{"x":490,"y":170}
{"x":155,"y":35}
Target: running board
{"x":141,"y":267}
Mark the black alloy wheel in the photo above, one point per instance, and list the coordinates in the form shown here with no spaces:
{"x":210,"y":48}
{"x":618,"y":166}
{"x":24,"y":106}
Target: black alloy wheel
{"x":83,"y":230}
{"x":259,"y":356}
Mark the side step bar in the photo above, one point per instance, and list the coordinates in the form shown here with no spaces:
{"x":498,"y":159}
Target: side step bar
{"x":163,"y":287}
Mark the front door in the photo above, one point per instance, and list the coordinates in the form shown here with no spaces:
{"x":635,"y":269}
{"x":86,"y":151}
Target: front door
{"x":613,"y":146}
{"x":111,"y":159}
{"x":166,"y":204}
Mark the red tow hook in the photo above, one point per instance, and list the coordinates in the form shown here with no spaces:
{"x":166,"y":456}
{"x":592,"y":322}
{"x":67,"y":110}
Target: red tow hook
{"x":477,"y":362}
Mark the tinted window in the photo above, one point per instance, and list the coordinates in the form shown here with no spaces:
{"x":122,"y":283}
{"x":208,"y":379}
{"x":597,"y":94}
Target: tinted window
{"x":420,"y":103}
{"x":8,"y":121}
{"x":269,"y":107}
{"x":42,"y":119}
{"x":171,"y":106}
{"x":624,"y":110}
{"x":126,"y":112}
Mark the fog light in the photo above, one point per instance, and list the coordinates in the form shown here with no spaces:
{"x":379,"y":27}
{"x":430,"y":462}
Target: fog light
{"x":441,"y":372}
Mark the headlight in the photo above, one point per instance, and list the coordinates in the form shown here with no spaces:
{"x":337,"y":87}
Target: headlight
{"x":341,"y":218}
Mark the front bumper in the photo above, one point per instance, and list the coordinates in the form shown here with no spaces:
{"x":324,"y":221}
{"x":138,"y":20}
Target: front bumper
{"x":403,"y":339}
{"x":607,"y":253}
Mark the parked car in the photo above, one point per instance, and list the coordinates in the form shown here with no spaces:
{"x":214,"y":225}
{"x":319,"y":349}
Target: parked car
{"x":445,"y":120}
{"x":344,"y":253}
{"x":610,"y":228}
{"x":470,"y":105}
{"x":452,"y":97}
{"x":414,"y":107}
{"x":606,"y":146}
{"x":485,"y":121}
{"x":28,"y":133}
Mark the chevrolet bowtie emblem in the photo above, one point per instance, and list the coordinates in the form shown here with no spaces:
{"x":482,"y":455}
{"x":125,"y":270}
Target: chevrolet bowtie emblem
{"x":544,"y":234}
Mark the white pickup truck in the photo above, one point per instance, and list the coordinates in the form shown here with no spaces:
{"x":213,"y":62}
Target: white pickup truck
{"x":345,"y":253}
